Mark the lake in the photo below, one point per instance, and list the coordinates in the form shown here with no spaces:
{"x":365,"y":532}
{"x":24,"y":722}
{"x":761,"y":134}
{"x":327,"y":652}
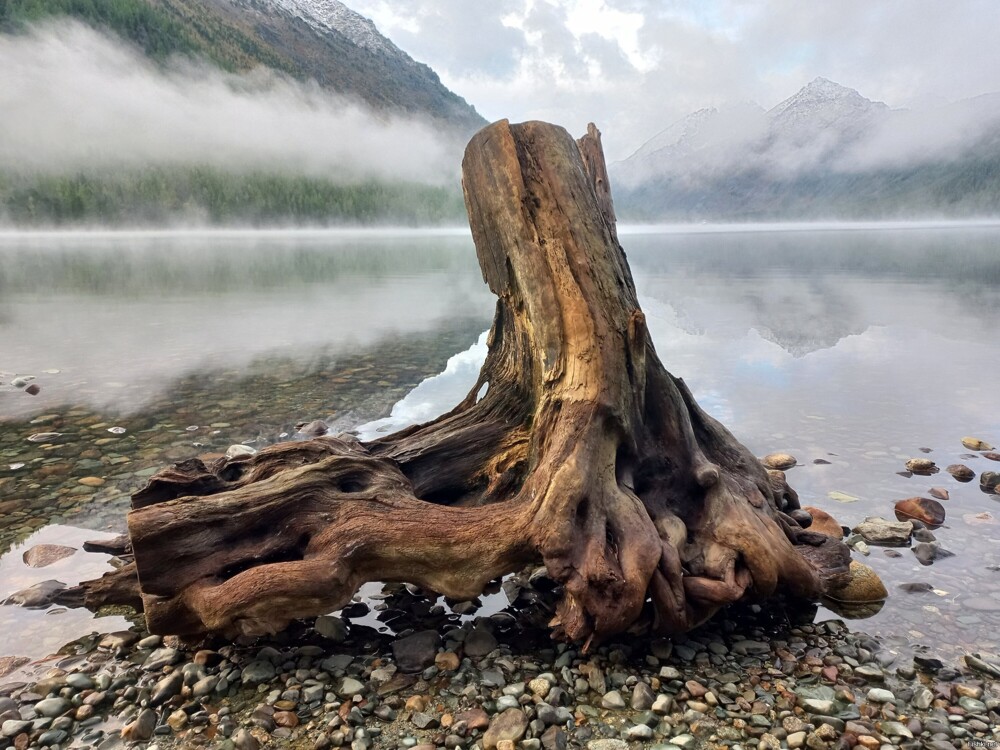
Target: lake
{"x":857,"y":346}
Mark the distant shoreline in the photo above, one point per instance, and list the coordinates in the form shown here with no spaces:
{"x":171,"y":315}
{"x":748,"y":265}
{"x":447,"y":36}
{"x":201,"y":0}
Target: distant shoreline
{"x":236,"y":232}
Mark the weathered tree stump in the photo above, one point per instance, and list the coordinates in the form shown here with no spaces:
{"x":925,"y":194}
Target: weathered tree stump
{"x":583,"y":453}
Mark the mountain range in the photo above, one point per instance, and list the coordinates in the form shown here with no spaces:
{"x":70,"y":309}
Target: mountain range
{"x":309,"y":40}
{"x":825,"y":152}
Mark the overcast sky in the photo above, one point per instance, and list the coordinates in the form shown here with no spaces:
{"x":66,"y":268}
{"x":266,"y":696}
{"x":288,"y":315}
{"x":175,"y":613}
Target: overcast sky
{"x":634,"y":66}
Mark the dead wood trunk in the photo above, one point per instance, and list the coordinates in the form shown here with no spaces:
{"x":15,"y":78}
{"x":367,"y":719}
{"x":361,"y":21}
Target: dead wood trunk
{"x":584,"y":453}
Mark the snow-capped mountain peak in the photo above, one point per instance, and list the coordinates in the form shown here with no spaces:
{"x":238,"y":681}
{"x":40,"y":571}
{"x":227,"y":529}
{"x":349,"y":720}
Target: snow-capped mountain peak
{"x":341,"y":50}
{"x":701,"y":134}
{"x":819,"y":90}
{"x":324,"y":15}
{"x":825,"y":100}
{"x":677,"y":131}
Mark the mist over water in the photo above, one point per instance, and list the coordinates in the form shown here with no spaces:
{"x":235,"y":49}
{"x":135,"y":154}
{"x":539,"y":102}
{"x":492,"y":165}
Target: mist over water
{"x":75,"y":99}
{"x":123,"y":316}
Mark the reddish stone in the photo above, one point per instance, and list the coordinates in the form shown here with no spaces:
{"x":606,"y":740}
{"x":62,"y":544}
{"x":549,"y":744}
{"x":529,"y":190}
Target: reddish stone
{"x":695,"y":688}
{"x":824,"y":523}
{"x":474,"y":718}
{"x":286,"y":719}
{"x":930,"y":512}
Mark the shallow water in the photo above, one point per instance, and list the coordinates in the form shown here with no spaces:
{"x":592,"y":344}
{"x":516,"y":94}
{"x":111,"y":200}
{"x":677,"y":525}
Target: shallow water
{"x":858,"y":346}
{"x":35,"y":633}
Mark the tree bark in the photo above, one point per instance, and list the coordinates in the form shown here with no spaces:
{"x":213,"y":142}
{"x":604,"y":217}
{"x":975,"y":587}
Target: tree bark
{"x":583,"y":452}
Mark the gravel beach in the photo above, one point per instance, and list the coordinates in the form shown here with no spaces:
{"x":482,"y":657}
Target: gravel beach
{"x":447,"y":678}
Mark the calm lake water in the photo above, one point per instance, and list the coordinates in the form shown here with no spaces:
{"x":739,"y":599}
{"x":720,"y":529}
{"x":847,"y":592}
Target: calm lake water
{"x":861,"y":347}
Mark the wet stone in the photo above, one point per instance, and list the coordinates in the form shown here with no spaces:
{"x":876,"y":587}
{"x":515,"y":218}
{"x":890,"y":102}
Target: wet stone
{"x":923,"y":509}
{"x":350,"y":687}
{"x":204,"y":686}
{"x":921,"y":466}
{"x":972,"y":705}
{"x":607,"y":745}
{"x":447,"y":661}
{"x":989,"y":481}
{"x":416,"y":652}
{"x":161,"y":658}
{"x":961,"y":472}
{"x":540,"y":686}
{"x":554,"y":738}
{"x":79,"y":681}
{"x":685,"y":741}
{"x":36,"y":596}
{"x":52,"y":707}
{"x":336,"y":662}
{"x":662,"y":705}
{"x":879,"y":695}
{"x":779,"y":461}
{"x":552,"y":715}
{"x":43,"y":555}
{"x":331,"y":627}
{"x":167,"y":688}
{"x":922,"y":698}
{"x":177,"y":720}
{"x":895,"y":729}
{"x":479,"y":642}
{"x":474,"y":718}
{"x":258,"y":671}
{"x":613,"y":700}
{"x":975,"y":444}
{"x":507,"y":701}
{"x":243,"y":740}
{"x":52,"y":738}
{"x":14,"y":727}
{"x":881,"y":532}
{"x":639,"y":732}
{"x":870,"y":672}
{"x":509,"y":725}
{"x":422,"y":720}
{"x":928,"y":552}
{"x":817,"y":706}
{"x":142,"y":728}
{"x":642,"y":697}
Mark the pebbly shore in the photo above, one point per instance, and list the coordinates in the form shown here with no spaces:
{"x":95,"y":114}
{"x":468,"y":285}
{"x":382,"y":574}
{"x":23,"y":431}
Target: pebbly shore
{"x":451,"y":676}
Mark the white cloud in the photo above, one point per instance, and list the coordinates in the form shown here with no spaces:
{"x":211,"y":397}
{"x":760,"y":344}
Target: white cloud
{"x":634,"y":66}
{"x":73,"y":98}
{"x":631,"y":66}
